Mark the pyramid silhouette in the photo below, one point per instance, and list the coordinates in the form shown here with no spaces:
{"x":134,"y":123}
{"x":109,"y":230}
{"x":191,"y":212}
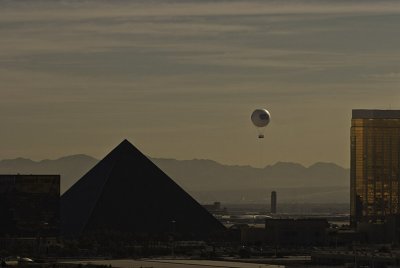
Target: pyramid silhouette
{"x":126,"y":192}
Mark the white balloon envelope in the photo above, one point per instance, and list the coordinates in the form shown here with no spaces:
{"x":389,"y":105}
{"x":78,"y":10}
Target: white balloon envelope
{"x":260,"y":119}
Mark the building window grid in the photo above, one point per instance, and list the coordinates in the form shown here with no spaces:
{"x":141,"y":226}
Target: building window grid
{"x":379,"y":181}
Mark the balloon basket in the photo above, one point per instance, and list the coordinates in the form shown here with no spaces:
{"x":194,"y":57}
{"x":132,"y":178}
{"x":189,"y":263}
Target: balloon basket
{"x":261,"y":136}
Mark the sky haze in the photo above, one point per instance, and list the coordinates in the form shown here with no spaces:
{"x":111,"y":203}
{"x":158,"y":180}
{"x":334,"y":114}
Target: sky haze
{"x":180,"y":79}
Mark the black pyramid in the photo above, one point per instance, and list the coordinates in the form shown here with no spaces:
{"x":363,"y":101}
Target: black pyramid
{"x":126,"y":192}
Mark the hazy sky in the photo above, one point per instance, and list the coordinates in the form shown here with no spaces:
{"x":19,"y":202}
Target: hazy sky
{"x":180,"y":79}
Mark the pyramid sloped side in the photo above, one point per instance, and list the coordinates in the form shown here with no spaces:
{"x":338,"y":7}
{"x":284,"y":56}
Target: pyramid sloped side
{"x":140,"y":198}
{"x":79,"y":201}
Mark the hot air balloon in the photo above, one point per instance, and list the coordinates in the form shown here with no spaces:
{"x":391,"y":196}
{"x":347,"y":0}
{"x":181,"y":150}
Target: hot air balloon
{"x":260,"y":119}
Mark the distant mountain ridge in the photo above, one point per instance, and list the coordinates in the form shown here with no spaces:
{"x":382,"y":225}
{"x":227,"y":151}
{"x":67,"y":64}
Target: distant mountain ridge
{"x":208,"y":180}
{"x":71,"y":168}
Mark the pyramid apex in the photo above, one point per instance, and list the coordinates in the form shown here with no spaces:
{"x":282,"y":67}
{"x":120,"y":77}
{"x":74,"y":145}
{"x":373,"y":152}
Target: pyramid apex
{"x":124,"y":146}
{"x":125,"y":142}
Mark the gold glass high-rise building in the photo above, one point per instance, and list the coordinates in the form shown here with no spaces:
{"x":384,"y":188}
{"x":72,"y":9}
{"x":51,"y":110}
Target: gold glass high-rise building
{"x":375,"y":165}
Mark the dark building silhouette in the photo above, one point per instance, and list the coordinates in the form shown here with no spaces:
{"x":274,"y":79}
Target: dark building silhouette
{"x":126,"y":192}
{"x":296,"y":232}
{"x":273,"y":202}
{"x":29,"y":206}
{"x":215,"y":208}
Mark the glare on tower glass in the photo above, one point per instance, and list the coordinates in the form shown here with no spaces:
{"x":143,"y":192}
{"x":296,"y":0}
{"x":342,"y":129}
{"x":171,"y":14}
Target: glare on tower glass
{"x":260,"y":119}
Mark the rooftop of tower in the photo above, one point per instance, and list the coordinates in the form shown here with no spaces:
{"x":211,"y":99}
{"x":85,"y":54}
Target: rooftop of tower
{"x":375,"y":114}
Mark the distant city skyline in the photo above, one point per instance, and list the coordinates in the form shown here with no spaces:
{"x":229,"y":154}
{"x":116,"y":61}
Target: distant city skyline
{"x":180,"y":79}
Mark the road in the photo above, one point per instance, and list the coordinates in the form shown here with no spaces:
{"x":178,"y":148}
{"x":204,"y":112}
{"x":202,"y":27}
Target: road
{"x":172,"y":263}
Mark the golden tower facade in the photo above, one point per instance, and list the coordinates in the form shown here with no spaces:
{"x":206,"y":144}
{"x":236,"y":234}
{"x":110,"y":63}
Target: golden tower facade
{"x":375,"y":165}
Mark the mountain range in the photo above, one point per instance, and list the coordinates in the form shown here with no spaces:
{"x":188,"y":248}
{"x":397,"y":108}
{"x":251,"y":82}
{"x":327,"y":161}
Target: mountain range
{"x":210,"y":181}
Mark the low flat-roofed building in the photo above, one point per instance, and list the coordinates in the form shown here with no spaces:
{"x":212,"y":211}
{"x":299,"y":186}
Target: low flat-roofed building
{"x":29,"y":205}
{"x":295,"y":232}
{"x":253,"y":234}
